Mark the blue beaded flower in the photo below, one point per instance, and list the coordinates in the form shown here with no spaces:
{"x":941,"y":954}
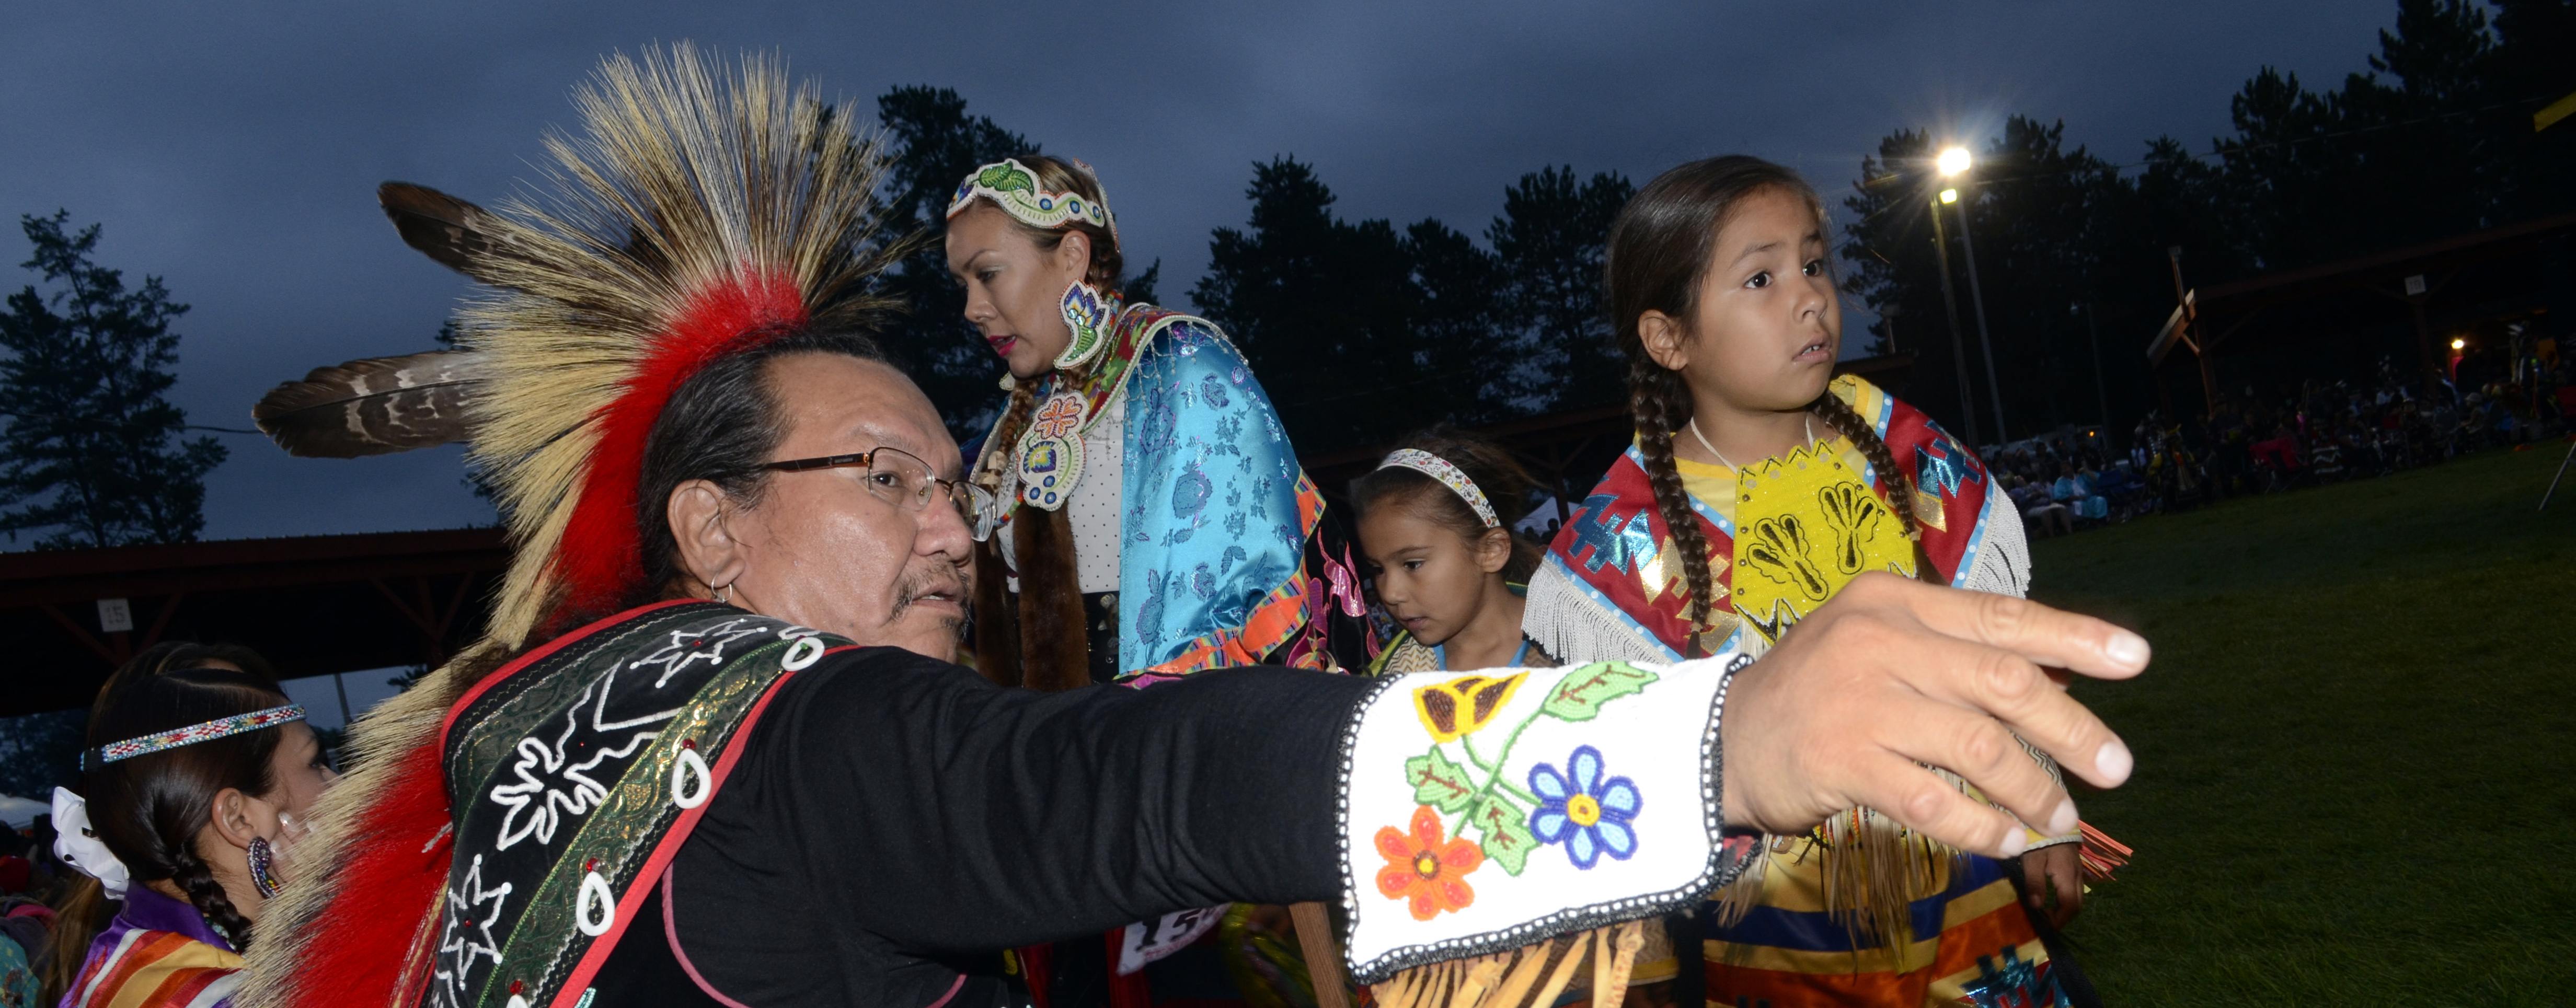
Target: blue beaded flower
{"x":1579,"y":809}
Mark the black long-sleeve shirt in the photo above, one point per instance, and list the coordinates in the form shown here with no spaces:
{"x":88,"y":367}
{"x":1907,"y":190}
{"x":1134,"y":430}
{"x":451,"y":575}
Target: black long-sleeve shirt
{"x":894,"y":819}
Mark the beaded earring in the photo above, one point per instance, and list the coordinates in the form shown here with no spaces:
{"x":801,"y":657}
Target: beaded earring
{"x":261,"y":861}
{"x":1086,"y":318}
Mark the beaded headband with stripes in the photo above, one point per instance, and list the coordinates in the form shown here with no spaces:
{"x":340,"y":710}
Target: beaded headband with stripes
{"x":1449,"y":476}
{"x":227,"y":727}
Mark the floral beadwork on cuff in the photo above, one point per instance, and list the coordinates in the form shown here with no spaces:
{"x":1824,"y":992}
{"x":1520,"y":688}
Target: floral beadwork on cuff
{"x":1507,"y":775}
{"x":1426,"y":869}
{"x":1579,"y":809}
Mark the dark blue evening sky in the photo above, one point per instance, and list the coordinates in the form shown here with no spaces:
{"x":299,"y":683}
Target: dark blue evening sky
{"x":233,"y":149}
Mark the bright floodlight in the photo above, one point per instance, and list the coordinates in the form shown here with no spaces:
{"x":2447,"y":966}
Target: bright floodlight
{"x":1952,"y":161}
{"x":1949,"y":195}
{"x":2459,"y":344}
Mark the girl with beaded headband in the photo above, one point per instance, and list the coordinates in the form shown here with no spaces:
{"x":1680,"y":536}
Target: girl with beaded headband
{"x":1759,"y":486}
{"x":1450,"y":571}
{"x":197,"y":775}
{"x":1153,"y":518}
{"x":1224,"y":557}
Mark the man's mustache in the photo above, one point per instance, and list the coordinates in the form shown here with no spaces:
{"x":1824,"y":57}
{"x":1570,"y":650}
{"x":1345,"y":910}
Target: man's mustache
{"x":933,"y":582}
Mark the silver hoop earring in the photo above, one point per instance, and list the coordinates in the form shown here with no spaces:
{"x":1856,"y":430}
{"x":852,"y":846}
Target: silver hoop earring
{"x":723,"y":593}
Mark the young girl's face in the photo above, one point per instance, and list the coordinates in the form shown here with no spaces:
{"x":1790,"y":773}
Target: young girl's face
{"x":1766,"y":330}
{"x":1431,"y":579}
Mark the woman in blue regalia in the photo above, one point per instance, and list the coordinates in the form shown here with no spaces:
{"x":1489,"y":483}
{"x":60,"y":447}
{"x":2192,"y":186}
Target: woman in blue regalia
{"x":1156,"y":521}
{"x":1152,"y":521}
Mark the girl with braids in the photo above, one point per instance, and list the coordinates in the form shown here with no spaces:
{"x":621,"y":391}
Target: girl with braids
{"x":197,"y":774}
{"x":1153,"y":519}
{"x":1759,"y":486}
{"x":1447,"y":569}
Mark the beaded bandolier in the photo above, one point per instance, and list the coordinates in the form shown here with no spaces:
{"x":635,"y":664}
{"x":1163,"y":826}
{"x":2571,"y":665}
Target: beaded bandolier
{"x":579,"y":769}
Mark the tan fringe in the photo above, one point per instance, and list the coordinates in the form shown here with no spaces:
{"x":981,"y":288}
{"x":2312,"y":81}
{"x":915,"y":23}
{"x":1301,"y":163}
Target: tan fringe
{"x":1533,"y":958}
{"x":1396,"y":991}
{"x":1610,"y":992}
{"x":1564,"y":973}
{"x":1872,"y":869}
{"x":1479,"y":979}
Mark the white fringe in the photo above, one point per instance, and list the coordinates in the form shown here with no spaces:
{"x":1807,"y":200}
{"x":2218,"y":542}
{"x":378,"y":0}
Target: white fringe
{"x":2002,"y":563}
{"x":1562,"y":616}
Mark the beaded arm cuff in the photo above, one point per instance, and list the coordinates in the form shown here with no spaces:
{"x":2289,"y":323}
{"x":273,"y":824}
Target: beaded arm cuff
{"x":1489,"y":810}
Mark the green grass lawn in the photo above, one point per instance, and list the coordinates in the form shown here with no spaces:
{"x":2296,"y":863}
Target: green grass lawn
{"x":2356,"y":748}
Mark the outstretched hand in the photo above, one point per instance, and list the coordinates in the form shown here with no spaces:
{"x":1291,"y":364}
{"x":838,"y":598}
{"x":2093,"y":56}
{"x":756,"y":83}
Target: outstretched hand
{"x":1893,"y":674}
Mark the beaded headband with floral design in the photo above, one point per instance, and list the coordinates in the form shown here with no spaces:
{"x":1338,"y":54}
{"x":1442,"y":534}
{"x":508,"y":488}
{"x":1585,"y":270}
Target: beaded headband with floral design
{"x":1449,"y":476}
{"x":92,"y":759}
{"x":1014,"y":187}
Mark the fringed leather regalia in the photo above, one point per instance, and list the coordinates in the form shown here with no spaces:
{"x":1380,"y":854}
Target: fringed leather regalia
{"x":682,"y":802}
{"x":1858,"y":909}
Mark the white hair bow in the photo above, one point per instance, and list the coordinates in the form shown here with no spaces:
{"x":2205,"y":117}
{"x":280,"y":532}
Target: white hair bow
{"x":82,"y":849}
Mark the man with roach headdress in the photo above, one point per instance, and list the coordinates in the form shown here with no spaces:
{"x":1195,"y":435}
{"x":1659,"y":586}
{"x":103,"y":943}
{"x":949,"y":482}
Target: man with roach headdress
{"x":713,"y":750}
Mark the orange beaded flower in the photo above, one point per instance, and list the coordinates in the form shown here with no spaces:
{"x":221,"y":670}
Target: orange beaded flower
{"x":1426,"y":868}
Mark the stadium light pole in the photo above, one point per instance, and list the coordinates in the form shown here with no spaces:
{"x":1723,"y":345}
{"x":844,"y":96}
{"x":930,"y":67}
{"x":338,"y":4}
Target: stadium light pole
{"x":1950,"y":303}
{"x":1953,"y":162}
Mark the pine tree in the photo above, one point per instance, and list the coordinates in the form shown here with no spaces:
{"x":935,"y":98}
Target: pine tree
{"x":1321,"y":307}
{"x":1551,"y":241}
{"x":933,"y":144}
{"x":93,"y":453}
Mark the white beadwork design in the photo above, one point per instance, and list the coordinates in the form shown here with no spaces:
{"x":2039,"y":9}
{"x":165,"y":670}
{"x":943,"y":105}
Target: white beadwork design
{"x":595,"y":892}
{"x":690,"y":765}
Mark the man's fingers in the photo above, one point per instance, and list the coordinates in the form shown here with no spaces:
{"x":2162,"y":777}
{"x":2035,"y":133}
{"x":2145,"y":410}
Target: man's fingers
{"x":1921,"y":800}
{"x":1978,"y":749}
{"x":2008,"y":687}
{"x":2043,"y":635}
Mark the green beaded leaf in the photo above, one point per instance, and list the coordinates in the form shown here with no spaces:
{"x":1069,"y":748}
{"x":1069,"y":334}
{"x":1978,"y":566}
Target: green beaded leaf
{"x":1508,"y":840}
{"x":1582,"y":692}
{"x":1439,"y":783}
{"x":1006,"y":178}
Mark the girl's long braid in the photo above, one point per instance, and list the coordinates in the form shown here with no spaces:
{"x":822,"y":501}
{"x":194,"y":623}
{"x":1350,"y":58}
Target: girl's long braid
{"x":1891,"y":478}
{"x":1661,"y":403}
{"x":193,"y":877}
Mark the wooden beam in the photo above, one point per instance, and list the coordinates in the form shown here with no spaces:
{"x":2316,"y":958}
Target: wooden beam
{"x":161,"y":620}
{"x":417,"y":619}
{"x":81,"y":634}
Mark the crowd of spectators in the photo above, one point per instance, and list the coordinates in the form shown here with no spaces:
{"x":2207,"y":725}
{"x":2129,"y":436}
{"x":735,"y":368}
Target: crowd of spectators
{"x":2319,"y":433}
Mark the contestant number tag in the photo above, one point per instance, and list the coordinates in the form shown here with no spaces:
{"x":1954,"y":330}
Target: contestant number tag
{"x":1146,"y":941}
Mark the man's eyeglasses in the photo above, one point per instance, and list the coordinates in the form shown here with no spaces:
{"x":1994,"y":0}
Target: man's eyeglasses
{"x":902,"y":479}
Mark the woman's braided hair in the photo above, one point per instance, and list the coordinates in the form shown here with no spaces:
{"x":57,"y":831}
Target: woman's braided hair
{"x":148,"y":809}
{"x":1658,"y":252}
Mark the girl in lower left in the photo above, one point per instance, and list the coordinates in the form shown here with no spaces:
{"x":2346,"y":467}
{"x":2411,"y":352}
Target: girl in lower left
{"x":196,"y":775}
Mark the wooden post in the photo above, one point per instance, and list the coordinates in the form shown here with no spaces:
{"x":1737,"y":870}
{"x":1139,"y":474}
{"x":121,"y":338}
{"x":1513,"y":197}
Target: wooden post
{"x":1323,"y":954}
